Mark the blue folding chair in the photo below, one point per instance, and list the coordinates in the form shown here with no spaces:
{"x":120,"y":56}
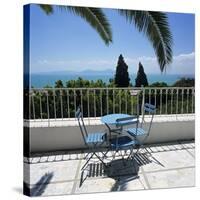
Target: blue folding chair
{"x":139,"y":133}
{"x":122,"y":140}
{"x":93,"y":141}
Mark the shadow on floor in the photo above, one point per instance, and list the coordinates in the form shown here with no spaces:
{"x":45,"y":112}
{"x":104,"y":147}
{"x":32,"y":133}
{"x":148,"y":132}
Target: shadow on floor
{"x":68,"y":155}
{"x":39,"y":187}
{"x":118,"y":169}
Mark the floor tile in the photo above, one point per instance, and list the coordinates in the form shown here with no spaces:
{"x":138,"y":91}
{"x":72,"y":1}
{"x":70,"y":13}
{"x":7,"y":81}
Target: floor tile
{"x":169,"y":160}
{"x":172,"y":178}
{"x":130,"y":183}
{"x":96,"y":185}
{"x":53,"y":189}
{"x":62,"y":171}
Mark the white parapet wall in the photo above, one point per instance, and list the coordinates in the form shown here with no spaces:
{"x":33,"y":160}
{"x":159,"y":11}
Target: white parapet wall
{"x":65,"y":134}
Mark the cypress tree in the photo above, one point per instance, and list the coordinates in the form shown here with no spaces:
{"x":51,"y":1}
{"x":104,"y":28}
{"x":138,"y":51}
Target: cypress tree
{"x":141,"y":78}
{"x":122,"y":77}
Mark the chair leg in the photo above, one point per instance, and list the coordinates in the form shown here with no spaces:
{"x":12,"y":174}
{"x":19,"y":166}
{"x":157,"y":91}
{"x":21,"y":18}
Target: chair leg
{"x":94,"y":153}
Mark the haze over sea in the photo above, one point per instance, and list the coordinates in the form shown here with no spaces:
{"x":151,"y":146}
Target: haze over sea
{"x":44,"y":79}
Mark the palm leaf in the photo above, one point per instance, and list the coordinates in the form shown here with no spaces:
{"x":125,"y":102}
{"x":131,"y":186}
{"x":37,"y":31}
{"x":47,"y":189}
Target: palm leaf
{"x":95,"y":17}
{"x":48,"y":9}
{"x":155,"y":26}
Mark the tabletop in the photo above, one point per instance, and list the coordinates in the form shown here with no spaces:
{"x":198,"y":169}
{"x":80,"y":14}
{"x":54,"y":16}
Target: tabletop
{"x":111,"y":118}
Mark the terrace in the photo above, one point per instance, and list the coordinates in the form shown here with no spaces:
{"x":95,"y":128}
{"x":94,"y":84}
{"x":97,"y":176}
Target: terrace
{"x":57,"y":149}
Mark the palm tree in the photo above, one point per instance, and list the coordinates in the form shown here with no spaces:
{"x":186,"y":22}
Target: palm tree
{"x":153,"y":24}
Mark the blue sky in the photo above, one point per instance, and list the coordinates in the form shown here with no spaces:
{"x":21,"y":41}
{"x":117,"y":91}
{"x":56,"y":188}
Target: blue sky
{"x":63,"y":41}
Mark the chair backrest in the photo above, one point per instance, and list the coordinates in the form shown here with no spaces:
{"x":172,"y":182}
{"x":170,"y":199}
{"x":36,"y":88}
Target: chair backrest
{"x":126,"y":121}
{"x":151,"y":109}
{"x":81,"y":124}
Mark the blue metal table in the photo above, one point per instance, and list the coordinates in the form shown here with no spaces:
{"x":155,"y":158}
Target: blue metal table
{"x":112,"y":120}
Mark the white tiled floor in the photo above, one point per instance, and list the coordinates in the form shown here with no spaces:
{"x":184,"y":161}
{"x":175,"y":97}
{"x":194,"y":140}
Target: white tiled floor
{"x":166,"y":166}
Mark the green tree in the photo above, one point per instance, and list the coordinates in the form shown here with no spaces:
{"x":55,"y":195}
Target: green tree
{"x":159,"y":84}
{"x":111,"y":83}
{"x":184,"y":82}
{"x":59,"y":84}
{"x":141,"y":78}
{"x":153,"y":24}
{"x":122,"y":77}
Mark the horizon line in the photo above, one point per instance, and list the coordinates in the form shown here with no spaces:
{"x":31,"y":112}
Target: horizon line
{"x":70,"y":71}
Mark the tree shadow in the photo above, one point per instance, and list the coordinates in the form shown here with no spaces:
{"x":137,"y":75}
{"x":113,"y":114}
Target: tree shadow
{"x":39,"y":187}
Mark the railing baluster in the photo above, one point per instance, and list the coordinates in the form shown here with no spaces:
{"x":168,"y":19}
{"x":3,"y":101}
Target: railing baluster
{"x":143,"y":100}
{"x":113,"y":101}
{"x":47,"y":94}
{"x":182,"y":101}
{"x":120,"y":101}
{"x":54,"y":103}
{"x":107,"y":100}
{"x":160,"y":101}
{"x":64,"y":103}
{"x":61,"y":104}
{"x":155,"y":96}
{"x":187,"y":99}
{"x":166,"y":101}
{"x":88,"y":104}
{"x":68,"y":111}
{"x":74,"y":102}
{"x":171,"y":100}
{"x":94,"y":103}
{"x":81,"y":93}
{"x":177,"y":93}
{"x":126,"y":101}
{"x":138,"y":105}
{"x":192,"y":100}
{"x":40,"y":94}
{"x":33,"y":104}
{"x":149,"y":95}
{"x":101,"y":96}
{"x":29,"y":105}
{"x":132,"y":98}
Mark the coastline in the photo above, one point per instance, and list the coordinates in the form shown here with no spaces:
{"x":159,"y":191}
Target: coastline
{"x":41,"y":80}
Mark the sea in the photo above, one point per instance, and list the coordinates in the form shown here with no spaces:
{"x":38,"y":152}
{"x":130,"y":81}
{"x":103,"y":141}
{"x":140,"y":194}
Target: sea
{"x":42,"y":80}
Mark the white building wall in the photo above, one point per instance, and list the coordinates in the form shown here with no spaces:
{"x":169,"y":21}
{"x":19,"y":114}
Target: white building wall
{"x":53,"y":138}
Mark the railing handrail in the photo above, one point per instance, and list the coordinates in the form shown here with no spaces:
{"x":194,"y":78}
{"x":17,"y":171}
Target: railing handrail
{"x":111,"y":88}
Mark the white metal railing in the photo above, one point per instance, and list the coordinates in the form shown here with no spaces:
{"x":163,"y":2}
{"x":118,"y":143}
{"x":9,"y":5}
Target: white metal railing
{"x":61,"y":103}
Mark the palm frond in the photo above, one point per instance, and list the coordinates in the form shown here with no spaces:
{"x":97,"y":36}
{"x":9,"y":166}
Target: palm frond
{"x":48,"y":9}
{"x":156,"y":27}
{"x":96,"y":18}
